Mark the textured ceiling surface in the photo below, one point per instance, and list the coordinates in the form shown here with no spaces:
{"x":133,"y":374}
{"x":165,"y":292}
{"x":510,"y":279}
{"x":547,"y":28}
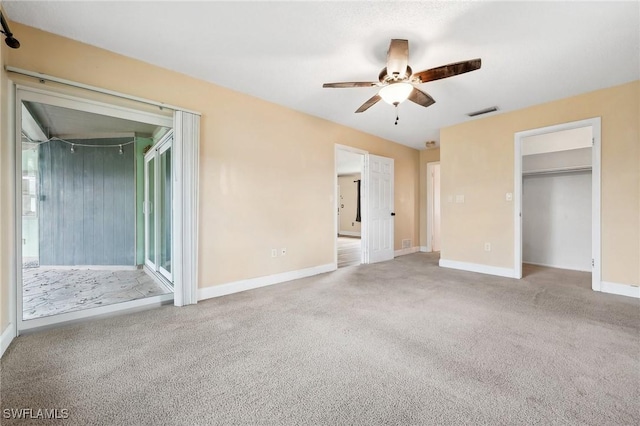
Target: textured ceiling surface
{"x":532,"y":52}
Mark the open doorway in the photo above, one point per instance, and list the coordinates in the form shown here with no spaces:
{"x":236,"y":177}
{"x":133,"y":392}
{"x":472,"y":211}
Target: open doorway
{"x":349,"y":238}
{"x":81,"y":221}
{"x":374,"y":191}
{"x":557,"y":197}
{"x":433,"y":206}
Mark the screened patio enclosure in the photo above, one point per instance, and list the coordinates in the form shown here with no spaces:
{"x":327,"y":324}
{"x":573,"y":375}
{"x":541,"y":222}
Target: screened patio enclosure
{"x":84,"y":227}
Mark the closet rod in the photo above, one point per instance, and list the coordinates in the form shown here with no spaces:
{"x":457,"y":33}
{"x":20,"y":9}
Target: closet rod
{"x":557,"y":171}
{"x":41,"y":76}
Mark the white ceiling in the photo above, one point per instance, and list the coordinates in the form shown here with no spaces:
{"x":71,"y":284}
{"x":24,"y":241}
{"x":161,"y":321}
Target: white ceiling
{"x":532,"y":52}
{"x":348,"y":163}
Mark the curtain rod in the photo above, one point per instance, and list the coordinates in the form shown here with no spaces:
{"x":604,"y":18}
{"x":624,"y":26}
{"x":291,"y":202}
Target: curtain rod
{"x":41,"y":76}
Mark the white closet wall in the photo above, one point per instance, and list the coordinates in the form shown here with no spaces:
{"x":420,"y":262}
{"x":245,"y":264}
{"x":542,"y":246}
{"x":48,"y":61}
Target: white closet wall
{"x":556,"y":199}
{"x":556,"y":219}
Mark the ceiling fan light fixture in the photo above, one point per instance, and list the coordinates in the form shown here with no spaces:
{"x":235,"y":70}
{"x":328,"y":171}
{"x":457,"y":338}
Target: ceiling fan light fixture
{"x":396,"y":93}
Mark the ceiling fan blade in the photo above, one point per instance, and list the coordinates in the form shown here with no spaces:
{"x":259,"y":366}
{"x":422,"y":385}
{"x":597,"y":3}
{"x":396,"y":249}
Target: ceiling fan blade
{"x":371,"y":102}
{"x":347,"y":85}
{"x":421,"y":98}
{"x":397,"y":57}
{"x":448,"y":70}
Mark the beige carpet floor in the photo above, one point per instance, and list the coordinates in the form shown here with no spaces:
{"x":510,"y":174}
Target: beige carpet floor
{"x":400,"y":342}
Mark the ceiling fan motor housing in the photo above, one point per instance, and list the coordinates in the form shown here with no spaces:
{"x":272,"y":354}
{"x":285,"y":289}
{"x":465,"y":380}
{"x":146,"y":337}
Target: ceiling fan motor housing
{"x":384,"y":76}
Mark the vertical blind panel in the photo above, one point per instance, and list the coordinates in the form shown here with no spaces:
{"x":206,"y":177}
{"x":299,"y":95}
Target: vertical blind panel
{"x":186,"y":152}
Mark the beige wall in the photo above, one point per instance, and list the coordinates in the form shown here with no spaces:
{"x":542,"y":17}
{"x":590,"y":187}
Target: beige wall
{"x":426,"y":156}
{"x":477,"y":161}
{"x":249,"y":150}
{"x":348,"y":203}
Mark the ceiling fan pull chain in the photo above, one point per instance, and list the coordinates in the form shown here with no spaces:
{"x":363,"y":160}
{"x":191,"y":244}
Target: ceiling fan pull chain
{"x":397,"y":118}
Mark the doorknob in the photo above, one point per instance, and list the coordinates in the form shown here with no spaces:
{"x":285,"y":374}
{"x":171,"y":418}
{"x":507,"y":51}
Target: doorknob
{"x":393,"y":214}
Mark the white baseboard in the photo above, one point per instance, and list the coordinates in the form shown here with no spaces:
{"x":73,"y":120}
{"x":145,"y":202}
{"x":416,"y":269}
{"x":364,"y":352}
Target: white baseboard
{"x":6,"y":338}
{"x":557,"y":266}
{"x":620,"y":289}
{"x":426,"y":249}
{"x":409,"y":250}
{"x":250,"y":284}
{"x":349,"y":233}
{"x":476,"y":267}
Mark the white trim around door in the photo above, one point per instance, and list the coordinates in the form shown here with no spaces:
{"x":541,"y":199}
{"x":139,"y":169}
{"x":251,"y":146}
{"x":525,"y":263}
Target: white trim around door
{"x":430,"y":205}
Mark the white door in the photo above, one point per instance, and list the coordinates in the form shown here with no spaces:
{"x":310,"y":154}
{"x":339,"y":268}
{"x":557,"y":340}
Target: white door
{"x":339,"y":204}
{"x":435,"y":242}
{"x":381,"y":215}
{"x":158,"y":201}
{"x":149,"y":210}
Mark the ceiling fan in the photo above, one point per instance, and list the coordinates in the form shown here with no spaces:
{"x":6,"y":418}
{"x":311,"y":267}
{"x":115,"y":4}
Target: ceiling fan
{"x":397,"y":81}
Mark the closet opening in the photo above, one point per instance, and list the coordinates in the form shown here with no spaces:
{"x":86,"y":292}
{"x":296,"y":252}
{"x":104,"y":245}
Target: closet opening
{"x":558,"y":201}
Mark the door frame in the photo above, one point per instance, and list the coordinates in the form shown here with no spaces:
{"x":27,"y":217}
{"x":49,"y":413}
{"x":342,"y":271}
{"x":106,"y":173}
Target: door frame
{"x":154,"y":154}
{"x":27,"y":92}
{"x":429,"y":206}
{"x":364,"y":203}
{"x":596,"y":248}
{"x":147,"y":232}
{"x":163,"y":146}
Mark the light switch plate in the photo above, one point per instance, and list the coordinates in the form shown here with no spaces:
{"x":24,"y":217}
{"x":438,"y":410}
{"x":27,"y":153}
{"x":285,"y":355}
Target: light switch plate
{"x":459,"y":198}
{"x":509,"y":196}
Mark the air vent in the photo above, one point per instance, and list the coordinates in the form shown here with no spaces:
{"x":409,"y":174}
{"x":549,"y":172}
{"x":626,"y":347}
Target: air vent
{"x":483,"y":111}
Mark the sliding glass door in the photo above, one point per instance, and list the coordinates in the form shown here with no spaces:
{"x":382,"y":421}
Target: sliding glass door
{"x":158,"y":202}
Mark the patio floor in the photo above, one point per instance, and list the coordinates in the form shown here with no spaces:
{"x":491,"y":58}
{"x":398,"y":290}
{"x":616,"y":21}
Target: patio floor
{"x":49,"y":291}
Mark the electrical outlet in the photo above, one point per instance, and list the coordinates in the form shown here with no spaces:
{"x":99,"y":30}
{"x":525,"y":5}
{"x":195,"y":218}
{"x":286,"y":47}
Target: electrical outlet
{"x":283,"y":252}
{"x":459,"y":198}
{"x":509,"y":196}
{"x":274,"y":253}
{"x":487,"y":246}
